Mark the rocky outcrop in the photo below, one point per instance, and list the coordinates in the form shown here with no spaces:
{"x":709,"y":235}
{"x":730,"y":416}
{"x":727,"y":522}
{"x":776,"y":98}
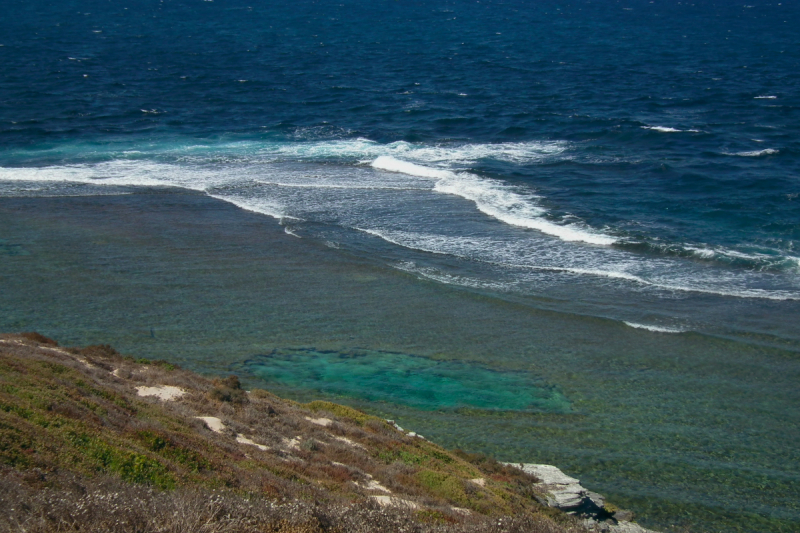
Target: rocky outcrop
{"x":566,"y":493}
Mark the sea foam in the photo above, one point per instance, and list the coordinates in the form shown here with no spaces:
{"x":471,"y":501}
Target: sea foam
{"x":656,"y":329}
{"x":496,"y":200}
{"x":663,"y":129}
{"x":391,"y":164}
{"x":756,"y":153}
{"x":666,"y":129}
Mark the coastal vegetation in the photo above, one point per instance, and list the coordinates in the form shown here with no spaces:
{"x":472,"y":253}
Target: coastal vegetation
{"x":91,"y":440}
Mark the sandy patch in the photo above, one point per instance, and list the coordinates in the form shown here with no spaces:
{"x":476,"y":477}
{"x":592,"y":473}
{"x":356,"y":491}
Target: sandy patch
{"x":481,"y":482}
{"x":162,"y":392}
{"x":216,"y":425}
{"x":245,"y":440}
{"x":461,"y":510}
{"x":371,"y":484}
{"x":347,"y":441}
{"x":393,"y":501}
{"x":64,"y":352}
{"x":213,"y":423}
{"x":292,"y":444}
{"x":9,"y":341}
{"x":324,"y":422}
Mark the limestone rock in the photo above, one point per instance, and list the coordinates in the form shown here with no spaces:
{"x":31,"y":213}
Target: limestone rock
{"x":566,"y":493}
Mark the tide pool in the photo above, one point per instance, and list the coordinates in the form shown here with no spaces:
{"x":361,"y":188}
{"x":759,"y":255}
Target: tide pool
{"x":413,"y":381}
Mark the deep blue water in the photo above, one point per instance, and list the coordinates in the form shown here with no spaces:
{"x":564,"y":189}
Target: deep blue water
{"x":651,"y":144}
{"x":634,"y":161}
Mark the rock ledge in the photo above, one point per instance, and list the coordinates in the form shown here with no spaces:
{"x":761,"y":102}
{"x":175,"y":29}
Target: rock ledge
{"x":566,"y":493}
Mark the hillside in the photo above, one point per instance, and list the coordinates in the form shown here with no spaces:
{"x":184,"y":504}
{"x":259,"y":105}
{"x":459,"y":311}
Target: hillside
{"x":91,"y":440}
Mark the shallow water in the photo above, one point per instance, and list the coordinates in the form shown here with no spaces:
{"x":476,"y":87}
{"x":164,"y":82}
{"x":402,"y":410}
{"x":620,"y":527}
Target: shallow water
{"x":685,"y":428}
{"x":419,"y":382}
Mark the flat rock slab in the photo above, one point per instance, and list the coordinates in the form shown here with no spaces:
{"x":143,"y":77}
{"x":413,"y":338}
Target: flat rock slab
{"x":566,"y":493}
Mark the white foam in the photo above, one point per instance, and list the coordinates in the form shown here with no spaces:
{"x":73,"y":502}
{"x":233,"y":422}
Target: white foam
{"x":766,"y":97}
{"x":324,"y":185}
{"x":485,"y":250}
{"x":395,"y":165}
{"x":449,"y":279}
{"x":367,"y":150}
{"x":777,"y":259}
{"x":613,"y":274}
{"x":506,"y":205}
{"x":656,"y":329}
{"x":663,"y":129}
{"x":704,"y":253}
{"x":122,"y":173}
{"x":466,"y":154}
{"x":435,"y":244}
{"x":495,"y":199}
{"x":777,"y":295}
{"x":613,"y":267}
{"x":756,"y":153}
{"x":113,"y":173}
{"x":261,"y":206}
{"x":707,"y":253}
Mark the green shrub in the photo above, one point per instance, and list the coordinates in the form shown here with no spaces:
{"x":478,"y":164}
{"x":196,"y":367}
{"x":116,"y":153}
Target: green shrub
{"x":340,"y":410}
{"x":228,"y":390}
{"x":444,"y":485}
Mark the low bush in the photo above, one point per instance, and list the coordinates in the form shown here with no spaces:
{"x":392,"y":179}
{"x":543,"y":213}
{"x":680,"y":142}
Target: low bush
{"x":228,"y":390}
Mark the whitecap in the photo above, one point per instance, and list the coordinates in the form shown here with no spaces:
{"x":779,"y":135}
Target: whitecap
{"x":704,"y":253}
{"x":395,"y":165}
{"x":656,"y":329}
{"x":765,"y":97}
{"x":663,"y":129}
{"x":755,"y":153}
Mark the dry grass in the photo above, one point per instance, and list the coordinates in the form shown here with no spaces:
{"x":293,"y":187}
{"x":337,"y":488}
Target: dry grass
{"x":81,"y":451}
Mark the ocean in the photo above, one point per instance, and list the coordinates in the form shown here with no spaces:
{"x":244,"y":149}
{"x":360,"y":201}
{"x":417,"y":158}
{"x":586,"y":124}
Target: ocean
{"x":552,"y":232}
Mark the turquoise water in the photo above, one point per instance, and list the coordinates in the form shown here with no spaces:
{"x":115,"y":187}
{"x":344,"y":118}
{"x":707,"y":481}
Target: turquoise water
{"x":418,"y":382}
